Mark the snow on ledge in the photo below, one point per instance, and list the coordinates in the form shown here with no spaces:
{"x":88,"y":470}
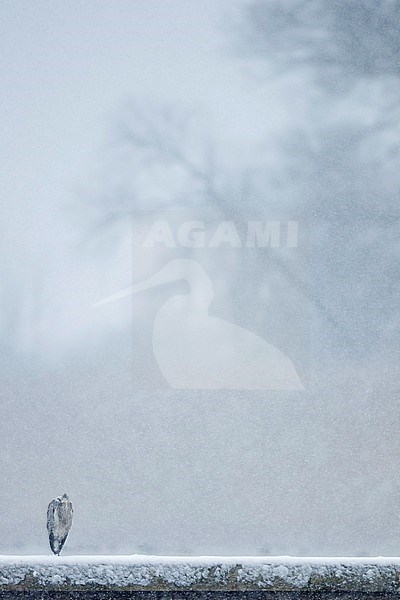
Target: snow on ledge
{"x":381,"y":574}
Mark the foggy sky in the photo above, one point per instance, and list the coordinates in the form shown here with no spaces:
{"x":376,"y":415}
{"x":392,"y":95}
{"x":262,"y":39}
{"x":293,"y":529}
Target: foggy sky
{"x":155,"y":470}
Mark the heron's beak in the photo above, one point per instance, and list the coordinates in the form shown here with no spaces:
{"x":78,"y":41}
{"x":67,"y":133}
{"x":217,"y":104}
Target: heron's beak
{"x":163,"y":276}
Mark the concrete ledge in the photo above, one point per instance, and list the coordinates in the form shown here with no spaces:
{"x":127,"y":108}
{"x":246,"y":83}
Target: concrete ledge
{"x":92,"y":576}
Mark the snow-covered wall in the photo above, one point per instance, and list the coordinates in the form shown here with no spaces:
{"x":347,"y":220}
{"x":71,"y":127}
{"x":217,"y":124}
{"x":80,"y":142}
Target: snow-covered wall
{"x":368,"y":575}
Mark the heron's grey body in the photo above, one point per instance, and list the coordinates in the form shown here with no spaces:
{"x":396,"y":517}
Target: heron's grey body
{"x":59,"y":521}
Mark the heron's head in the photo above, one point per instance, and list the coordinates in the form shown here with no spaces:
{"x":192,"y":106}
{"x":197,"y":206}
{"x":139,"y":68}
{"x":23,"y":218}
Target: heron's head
{"x":176,"y":270}
{"x":65,"y":497}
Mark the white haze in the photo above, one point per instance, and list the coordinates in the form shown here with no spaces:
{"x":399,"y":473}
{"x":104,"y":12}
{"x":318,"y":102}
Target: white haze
{"x":84,"y":408}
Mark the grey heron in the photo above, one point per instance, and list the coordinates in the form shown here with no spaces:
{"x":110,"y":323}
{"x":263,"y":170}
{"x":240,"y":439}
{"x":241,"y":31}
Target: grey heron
{"x":59,"y":521}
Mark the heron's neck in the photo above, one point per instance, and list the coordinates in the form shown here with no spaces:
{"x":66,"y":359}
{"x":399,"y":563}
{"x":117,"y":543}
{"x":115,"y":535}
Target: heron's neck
{"x":201,"y":293}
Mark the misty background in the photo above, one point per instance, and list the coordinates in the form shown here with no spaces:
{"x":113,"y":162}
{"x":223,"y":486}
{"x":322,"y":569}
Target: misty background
{"x":251,"y":110}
